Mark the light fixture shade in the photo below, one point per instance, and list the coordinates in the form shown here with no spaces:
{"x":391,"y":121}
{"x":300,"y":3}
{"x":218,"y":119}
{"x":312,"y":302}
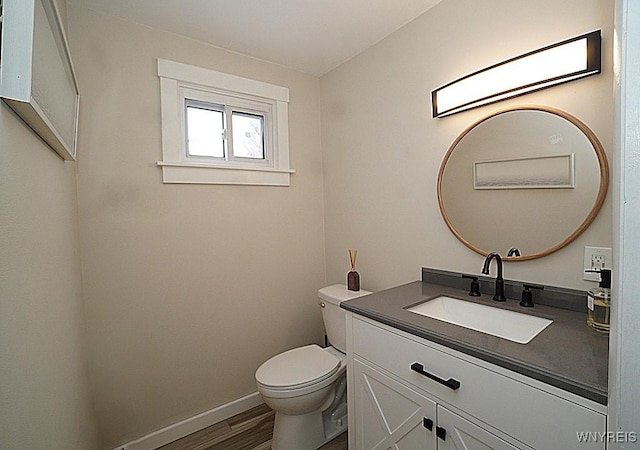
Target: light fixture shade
{"x":555,"y":64}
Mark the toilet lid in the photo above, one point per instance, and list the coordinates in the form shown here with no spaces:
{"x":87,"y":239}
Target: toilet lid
{"x":297,"y":368}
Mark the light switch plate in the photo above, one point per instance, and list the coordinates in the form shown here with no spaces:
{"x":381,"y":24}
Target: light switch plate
{"x":596,"y":258}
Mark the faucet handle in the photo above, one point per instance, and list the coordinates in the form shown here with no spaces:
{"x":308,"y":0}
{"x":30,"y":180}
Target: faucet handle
{"x":527,"y":295}
{"x":474,"y":289}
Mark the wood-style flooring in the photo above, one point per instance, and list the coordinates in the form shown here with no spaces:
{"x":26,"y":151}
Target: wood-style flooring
{"x":250,"y":430}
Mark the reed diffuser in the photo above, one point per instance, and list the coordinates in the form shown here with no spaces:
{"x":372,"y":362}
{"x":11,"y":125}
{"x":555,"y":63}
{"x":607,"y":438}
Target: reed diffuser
{"x":353,"y":277}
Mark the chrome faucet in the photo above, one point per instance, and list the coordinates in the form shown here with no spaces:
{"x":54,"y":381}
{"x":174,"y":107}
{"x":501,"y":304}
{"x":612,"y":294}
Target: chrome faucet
{"x":499,"y":296}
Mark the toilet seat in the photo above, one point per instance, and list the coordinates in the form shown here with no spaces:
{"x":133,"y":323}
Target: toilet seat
{"x":297,"y":369}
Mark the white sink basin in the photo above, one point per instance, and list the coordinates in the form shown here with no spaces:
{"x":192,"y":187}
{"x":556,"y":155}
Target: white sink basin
{"x":498,"y":322}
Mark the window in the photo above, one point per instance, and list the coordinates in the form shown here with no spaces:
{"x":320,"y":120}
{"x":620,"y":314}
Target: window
{"x":248,"y":135}
{"x":222,"y":129}
{"x":205,"y":129}
{"x":225,"y":132}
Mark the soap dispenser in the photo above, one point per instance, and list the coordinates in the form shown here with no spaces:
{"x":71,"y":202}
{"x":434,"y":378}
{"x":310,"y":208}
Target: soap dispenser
{"x":599,"y":303}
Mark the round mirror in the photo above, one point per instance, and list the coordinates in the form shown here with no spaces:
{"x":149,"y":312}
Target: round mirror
{"x":523,"y":182}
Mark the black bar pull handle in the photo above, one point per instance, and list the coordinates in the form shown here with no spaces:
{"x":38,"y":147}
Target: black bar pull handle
{"x":427,"y":423}
{"x":450,"y":383}
{"x":441,"y":433}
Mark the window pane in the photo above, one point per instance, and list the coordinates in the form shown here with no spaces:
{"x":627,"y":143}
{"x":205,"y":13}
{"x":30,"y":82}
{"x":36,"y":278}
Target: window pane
{"x":248,"y":139}
{"x":205,"y":132}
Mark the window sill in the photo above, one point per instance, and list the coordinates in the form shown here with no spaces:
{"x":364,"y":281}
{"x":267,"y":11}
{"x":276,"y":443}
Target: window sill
{"x":195,"y":173}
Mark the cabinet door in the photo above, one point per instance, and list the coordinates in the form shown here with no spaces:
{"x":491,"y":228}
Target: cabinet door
{"x":389,"y":415}
{"x":456,"y":433}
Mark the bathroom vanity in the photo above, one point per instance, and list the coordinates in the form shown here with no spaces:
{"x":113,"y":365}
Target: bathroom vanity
{"x":420,"y":382}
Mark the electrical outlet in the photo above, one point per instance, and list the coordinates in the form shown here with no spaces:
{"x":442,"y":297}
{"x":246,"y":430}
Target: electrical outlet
{"x":596,"y":258}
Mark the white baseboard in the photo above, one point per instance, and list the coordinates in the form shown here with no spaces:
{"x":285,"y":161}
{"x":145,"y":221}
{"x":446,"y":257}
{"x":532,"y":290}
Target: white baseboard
{"x":181,"y":429}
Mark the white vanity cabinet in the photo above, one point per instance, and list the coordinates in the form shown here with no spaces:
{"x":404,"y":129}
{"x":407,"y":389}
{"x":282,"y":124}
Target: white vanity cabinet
{"x":412,"y":393}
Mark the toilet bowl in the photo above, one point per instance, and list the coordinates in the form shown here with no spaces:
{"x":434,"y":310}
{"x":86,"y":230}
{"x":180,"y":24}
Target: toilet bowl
{"x":306,"y":386}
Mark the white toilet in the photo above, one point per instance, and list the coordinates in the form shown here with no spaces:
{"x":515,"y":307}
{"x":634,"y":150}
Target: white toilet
{"x":306,"y":386}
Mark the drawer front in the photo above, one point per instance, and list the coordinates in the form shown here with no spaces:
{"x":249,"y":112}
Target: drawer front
{"x":524,"y":412}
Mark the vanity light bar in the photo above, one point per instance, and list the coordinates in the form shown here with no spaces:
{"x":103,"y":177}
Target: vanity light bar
{"x":555,"y":64}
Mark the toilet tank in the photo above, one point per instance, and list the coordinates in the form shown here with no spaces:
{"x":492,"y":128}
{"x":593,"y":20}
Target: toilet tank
{"x":333,"y":315}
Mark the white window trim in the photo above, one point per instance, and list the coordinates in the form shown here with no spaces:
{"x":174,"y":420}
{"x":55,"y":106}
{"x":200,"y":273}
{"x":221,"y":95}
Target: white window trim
{"x":176,"y":79}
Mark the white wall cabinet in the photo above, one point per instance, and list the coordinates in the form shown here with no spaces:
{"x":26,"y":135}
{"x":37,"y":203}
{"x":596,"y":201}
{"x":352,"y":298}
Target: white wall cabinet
{"x":451,"y":400}
{"x":37,"y":79}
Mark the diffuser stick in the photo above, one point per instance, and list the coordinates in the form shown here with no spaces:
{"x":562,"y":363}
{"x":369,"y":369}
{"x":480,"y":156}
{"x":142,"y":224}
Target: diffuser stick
{"x":353,"y":257}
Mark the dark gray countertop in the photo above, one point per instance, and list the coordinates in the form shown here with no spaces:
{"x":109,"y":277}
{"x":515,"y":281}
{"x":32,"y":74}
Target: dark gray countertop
{"x":567,"y":354}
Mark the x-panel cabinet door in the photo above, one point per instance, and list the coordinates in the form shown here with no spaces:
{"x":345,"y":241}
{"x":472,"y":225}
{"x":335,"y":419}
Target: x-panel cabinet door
{"x":389,"y":415}
{"x":460,"y":434}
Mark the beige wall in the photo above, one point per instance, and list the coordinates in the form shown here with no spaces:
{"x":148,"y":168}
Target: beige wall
{"x":46,"y":401}
{"x":45,"y":392}
{"x":188,"y":288}
{"x":382,"y":150}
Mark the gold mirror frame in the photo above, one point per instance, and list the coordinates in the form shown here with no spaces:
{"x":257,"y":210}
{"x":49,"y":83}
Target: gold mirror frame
{"x":602,"y":190}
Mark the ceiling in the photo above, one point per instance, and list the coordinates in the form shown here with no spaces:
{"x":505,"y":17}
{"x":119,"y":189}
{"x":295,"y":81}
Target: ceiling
{"x":311,"y":36}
